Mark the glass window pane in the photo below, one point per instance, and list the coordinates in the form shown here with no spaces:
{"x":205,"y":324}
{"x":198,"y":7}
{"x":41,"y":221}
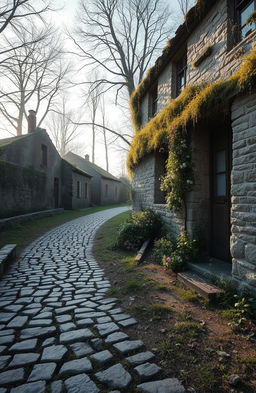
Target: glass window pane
{"x":221,"y":185}
{"x":245,"y":13}
{"x":221,"y":161}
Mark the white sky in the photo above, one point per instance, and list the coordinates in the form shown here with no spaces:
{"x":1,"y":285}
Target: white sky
{"x":66,"y":18}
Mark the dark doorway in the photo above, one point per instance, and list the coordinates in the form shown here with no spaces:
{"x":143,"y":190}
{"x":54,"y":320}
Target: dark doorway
{"x":56,"y":192}
{"x":220,"y":192}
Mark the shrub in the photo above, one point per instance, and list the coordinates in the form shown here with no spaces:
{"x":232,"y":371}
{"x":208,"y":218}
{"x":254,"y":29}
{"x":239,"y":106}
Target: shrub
{"x":174,"y":257}
{"x":162,"y":247}
{"x":186,"y":248}
{"x":174,"y":262}
{"x":139,"y":227}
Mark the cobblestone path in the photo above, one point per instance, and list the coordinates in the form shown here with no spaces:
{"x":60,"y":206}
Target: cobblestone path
{"x":59,"y":332}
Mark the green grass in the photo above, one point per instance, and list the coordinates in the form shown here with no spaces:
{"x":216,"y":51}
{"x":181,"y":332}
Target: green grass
{"x":104,"y":243}
{"x":153,"y":311}
{"x":23,"y":233}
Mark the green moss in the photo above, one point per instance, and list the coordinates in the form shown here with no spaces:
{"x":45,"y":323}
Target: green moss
{"x":168,"y":128}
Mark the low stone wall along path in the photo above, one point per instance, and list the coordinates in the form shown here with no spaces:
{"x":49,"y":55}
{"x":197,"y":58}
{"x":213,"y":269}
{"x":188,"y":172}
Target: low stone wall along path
{"x":59,"y":332}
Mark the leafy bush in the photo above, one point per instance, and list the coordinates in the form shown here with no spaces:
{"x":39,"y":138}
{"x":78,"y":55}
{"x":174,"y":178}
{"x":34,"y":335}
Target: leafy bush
{"x":175,"y":256}
{"x":139,"y":227}
{"x":186,"y":248}
{"x":163,"y":246}
{"x":175,"y":262}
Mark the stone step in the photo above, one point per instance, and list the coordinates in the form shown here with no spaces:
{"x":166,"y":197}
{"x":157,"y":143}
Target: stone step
{"x":7,"y":253}
{"x":200,"y":285}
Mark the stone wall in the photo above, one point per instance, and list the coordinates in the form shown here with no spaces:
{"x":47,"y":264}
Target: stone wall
{"x":109,"y":191}
{"x":83,"y":200}
{"x":165,"y":88}
{"x":215,"y":31}
{"x":198,"y":200}
{"x":143,"y":195}
{"x":27,"y":152}
{"x":243,"y":190}
{"x":22,"y":190}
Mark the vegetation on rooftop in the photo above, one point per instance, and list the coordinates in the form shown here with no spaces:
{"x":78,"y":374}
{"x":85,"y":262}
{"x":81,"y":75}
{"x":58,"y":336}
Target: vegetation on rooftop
{"x":169,"y":128}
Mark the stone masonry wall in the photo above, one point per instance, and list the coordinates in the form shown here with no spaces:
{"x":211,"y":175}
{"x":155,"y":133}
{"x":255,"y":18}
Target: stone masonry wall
{"x":143,"y":195}
{"x":215,"y":31}
{"x":165,"y":87}
{"x":22,"y":190}
{"x":243,"y":212}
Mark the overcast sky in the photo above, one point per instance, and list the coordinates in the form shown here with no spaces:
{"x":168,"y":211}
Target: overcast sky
{"x":65,"y":18}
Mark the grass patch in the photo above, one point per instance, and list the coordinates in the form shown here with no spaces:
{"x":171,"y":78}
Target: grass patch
{"x":152,"y":311}
{"x":105,"y":239}
{"x":23,"y":233}
{"x":187,"y":295}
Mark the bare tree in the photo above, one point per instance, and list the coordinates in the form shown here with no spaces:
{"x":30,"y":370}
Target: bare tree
{"x":12,"y":12}
{"x":61,"y":127}
{"x":93,"y":101}
{"x":104,"y":131}
{"x":185,"y":5}
{"x":14,"y":16}
{"x":121,"y":37}
{"x":32,"y":75}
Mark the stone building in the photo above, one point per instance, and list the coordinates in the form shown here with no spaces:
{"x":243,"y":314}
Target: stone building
{"x":76,"y":187}
{"x":203,"y":86}
{"x":105,"y":187}
{"x":33,"y":176}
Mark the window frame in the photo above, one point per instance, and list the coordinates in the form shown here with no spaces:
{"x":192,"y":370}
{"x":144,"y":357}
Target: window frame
{"x":44,"y":155}
{"x":240,"y":6}
{"x":152,"y":100}
{"x":181,"y":72}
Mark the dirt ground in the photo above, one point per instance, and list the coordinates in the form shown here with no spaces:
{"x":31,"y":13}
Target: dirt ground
{"x":191,"y":340}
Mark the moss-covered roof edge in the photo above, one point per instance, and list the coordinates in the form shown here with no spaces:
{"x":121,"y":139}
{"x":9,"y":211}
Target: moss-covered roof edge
{"x":193,"y":17}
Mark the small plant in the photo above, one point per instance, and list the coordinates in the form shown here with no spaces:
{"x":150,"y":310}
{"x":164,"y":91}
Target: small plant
{"x":186,"y":248}
{"x":162,"y":247}
{"x":244,"y":311}
{"x":139,"y":227}
{"x":175,"y":262}
{"x":184,"y":251}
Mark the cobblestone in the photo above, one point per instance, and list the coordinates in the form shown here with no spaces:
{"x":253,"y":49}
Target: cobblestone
{"x":56,"y":324}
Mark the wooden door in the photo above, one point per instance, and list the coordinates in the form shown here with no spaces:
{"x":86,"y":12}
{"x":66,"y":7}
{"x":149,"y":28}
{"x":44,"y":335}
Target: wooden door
{"x":220,"y":192}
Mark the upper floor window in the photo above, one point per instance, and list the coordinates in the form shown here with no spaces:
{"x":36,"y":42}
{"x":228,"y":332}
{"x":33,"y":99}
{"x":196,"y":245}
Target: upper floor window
{"x":152,"y":101}
{"x":44,"y":155}
{"x":181,"y":74}
{"x":245,"y":19}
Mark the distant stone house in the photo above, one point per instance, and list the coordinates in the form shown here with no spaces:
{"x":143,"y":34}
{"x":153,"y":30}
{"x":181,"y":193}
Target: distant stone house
{"x":76,"y":187}
{"x":213,"y":119}
{"x":105,"y":187}
{"x":32,"y":173}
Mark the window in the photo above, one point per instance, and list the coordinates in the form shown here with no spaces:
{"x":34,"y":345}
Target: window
{"x":220,"y":174}
{"x":44,"y":155}
{"x":160,"y":171}
{"x":244,"y":9}
{"x":181,"y":74}
{"x":85,"y":190}
{"x":106,"y":190}
{"x":78,"y":189}
{"x":152,"y":101}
